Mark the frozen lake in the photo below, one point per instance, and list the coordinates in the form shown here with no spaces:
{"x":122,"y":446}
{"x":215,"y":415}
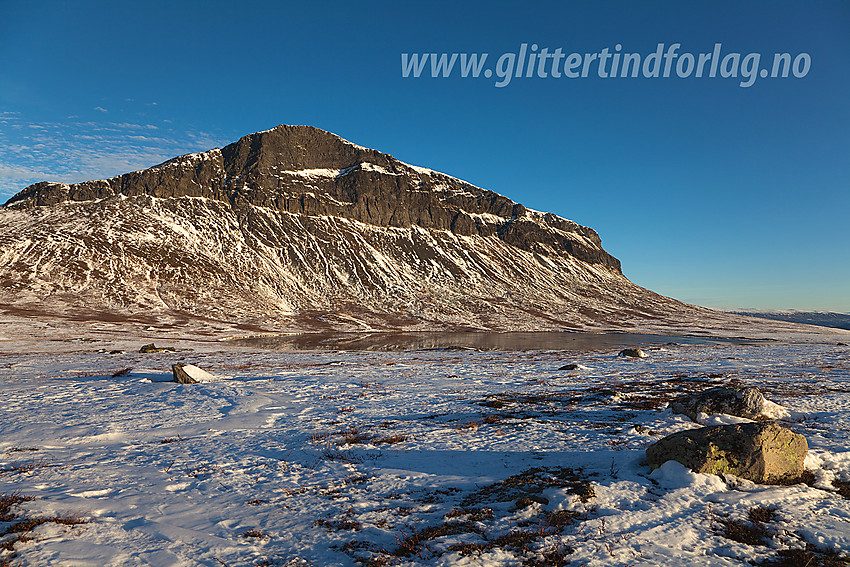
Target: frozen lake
{"x":469,"y":340}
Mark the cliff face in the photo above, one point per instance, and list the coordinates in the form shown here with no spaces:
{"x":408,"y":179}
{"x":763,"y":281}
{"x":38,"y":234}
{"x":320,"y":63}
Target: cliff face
{"x":295,"y":228}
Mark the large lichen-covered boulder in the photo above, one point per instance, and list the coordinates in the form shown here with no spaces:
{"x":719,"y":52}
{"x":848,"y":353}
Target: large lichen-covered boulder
{"x":764,"y":452}
{"x":741,"y":402}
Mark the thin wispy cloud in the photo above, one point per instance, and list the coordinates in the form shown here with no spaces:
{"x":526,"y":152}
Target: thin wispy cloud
{"x":72,"y":151}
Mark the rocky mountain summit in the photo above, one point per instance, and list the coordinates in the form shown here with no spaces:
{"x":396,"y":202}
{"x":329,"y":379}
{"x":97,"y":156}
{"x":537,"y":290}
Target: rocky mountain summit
{"x":297,"y":229}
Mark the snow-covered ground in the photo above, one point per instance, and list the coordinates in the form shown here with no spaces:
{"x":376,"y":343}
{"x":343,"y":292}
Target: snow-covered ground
{"x":427,"y":457}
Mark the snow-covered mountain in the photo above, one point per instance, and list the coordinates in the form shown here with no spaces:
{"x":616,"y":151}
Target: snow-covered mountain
{"x":297,"y":229}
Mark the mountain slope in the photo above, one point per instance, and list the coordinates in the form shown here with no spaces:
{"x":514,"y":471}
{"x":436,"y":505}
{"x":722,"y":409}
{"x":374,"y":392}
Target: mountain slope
{"x":297,"y":229}
{"x":819,"y":318}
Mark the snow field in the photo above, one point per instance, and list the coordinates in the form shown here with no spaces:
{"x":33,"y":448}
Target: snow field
{"x":406,"y":458}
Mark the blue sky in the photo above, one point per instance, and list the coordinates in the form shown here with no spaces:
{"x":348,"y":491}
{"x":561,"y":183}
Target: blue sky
{"x":707,"y":191}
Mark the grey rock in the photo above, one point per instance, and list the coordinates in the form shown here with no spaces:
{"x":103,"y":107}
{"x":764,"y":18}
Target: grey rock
{"x":571,"y":366}
{"x":765,"y":452}
{"x":741,"y":402}
{"x":632,"y":353}
{"x":180,"y":375}
{"x":152,"y":348}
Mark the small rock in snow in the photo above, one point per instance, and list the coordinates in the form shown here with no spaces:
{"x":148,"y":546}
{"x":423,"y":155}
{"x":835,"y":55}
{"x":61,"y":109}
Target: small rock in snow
{"x":190,"y":374}
{"x":633,"y":353}
{"x":152,"y":348}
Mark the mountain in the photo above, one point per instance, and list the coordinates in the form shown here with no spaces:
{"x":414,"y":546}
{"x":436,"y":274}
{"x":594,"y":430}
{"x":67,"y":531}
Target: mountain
{"x":819,"y":318}
{"x":296,"y":229}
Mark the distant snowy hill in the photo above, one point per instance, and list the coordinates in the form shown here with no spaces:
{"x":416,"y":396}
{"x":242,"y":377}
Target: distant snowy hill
{"x":297,"y":229}
{"x":820,"y":318}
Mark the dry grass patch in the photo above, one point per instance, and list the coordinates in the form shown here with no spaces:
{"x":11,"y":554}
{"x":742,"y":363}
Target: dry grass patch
{"x":390,"y":440}
{"x":531,"y":482}
{"x":8,"y":501}
{"x":339,"y":525}
{"x":30,"y":524}
{"x":20,"y":528}
{"x":474,"y":522}
{"x":41,"y":463}
{"x":471,"y":514}
{"x":748,"y":533}
{"x":639,"y":394}
{"x":809,"y":557}
{"x":466,"y":549}
{"x":517,"y":539}
{"x":561,"y":518}
{"x":842,"y":486}
{"x":753,"y":531}
{"x":414,"y":543}
{"x":554,"y":557}
{"x":255,"y":534}
{"x":355,"y":436}
{"x":761,"y":515}
{"x":807,"y":477}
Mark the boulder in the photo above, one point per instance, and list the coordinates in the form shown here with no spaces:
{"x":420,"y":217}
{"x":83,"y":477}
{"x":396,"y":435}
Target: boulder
{"x":190,"y":374}
{"x":180,"y":375}
{"x":152,"y":348}
{"x":764,"y":452}
{"x":741,"y":402}
{"x":632,"y":353}
{"x":571,"y":366}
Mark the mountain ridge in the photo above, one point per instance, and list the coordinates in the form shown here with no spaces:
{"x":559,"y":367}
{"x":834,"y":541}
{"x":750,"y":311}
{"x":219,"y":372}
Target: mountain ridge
{"x":248,"y":170}
{"x":294,"y":229}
